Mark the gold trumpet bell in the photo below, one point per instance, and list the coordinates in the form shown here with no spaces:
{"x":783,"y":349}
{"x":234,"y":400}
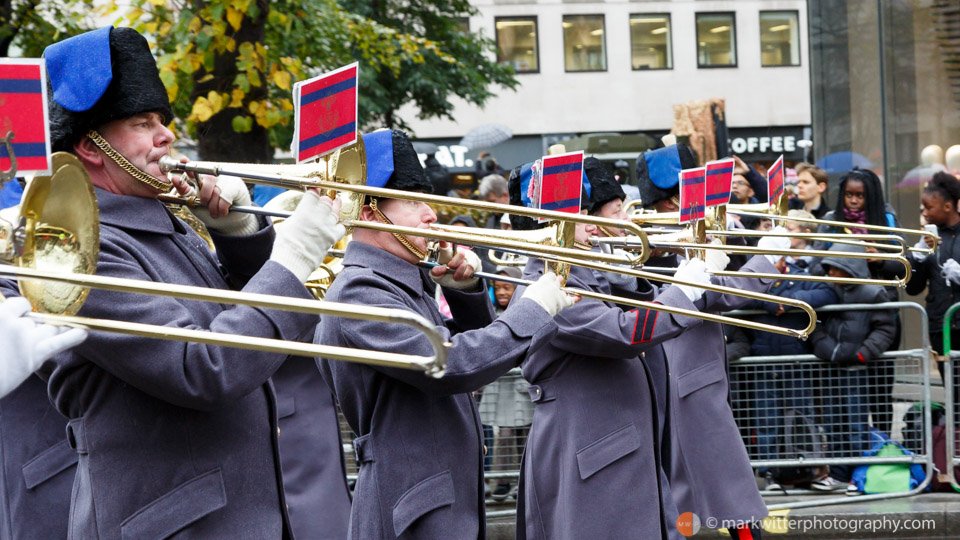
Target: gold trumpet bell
{"x":62,"y":234}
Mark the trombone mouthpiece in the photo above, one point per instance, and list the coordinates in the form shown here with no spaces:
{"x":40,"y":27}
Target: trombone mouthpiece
{"x":169,"y":164}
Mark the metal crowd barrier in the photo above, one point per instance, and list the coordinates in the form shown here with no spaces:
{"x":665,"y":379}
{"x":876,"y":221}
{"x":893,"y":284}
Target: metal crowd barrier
{"x":952,"y":458}
{"x":506,"y":411}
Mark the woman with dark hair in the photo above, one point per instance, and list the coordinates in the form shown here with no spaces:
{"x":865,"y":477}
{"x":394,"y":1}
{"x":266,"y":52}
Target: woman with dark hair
{"x":939,"y":202}
{"x":860,"y":201}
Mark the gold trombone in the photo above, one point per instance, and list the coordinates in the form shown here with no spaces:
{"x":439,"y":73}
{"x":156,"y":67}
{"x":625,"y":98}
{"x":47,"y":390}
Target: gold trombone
{"x":54,"y":239}
{"x":553,"y":243}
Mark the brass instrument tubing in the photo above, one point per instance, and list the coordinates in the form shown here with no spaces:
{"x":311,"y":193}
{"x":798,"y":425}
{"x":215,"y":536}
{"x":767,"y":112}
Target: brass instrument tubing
{"x":168,"y":164}
{"x":433,"y":366}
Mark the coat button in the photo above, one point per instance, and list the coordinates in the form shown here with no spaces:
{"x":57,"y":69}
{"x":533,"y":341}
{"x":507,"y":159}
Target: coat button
{"x":484,"y":449}
{"x":537,"y":392}
{"x":278,"y":431}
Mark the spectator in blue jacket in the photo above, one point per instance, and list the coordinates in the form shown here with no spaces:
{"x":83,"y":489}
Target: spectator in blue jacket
{"x":780,"y":387}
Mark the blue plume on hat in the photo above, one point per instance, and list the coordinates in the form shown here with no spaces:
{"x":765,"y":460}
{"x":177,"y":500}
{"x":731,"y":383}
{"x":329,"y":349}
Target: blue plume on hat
{"x":79,"y":69}
{"x":587,"y":188}
{"x":379,"y":148}
{"x":663,"y":166}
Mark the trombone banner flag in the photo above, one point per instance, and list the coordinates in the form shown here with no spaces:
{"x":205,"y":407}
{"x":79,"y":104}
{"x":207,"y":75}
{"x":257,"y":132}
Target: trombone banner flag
{"x":23,"y":112}
{"x":562,"y":182}
{"x":775,"y":181}
{"x":693,"y":194}
{"x":719,"y":180}
{"x":326,"y":113}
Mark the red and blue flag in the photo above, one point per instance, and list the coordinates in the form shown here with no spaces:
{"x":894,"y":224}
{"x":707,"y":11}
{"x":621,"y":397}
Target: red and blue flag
{"x":693,"y":194}
{"x":562,"y":182}
{"x":719,"y":181}
{"x":326,"y":117}
{"x":775,"y":181}
{"x":23,"y":111}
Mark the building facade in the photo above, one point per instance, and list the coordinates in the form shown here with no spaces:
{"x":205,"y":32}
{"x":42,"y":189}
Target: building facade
{"x":588,"y":67}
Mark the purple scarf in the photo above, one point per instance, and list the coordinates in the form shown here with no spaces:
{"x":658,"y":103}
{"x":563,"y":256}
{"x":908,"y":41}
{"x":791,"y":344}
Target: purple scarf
{"x":855,"y":216}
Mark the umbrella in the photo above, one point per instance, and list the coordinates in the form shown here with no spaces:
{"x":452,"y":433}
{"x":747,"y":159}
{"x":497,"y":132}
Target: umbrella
{"x":919,"y":176}
{"x":486,"y":136}
{"x":840,"y":162}
{"x":425,"y":148}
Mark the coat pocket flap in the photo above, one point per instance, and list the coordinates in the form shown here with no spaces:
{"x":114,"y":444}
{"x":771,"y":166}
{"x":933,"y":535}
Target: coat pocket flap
{"x":286,"y":406}
{"x":430,"y":494}
{"x":692,"y":381}
{"x":48,"y":464}
{"x":177,"y":508}
{"x":607,"y":449}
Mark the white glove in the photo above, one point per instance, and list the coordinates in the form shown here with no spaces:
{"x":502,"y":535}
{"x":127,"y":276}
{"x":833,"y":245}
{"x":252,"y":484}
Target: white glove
{"x":446,"y":280}
{"x":692,"y":271}
{"x":28,"y":343}
{"x":951,"y":271}
{"x":234,"y":192}
{"x":306,"y":237}
{"x":547,"y":294}
{"x":716,"y":259}
{"x":920,"y":256}
{"x":779,"y":243}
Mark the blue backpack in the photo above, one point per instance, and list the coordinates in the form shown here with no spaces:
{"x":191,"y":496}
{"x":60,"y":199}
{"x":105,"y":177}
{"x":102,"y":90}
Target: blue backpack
{"x":887,"y":477}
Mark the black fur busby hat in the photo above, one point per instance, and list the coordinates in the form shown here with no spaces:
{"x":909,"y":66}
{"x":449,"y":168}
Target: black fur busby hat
{"x":658,"y":172}
{"x":603,"y":186}
{"x":100,"y":76}
{"x":392,"y":162}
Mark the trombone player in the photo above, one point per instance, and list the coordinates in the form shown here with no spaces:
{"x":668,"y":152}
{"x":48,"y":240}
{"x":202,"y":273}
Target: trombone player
{"x":172,"y":437}
{"x":418,"y":440}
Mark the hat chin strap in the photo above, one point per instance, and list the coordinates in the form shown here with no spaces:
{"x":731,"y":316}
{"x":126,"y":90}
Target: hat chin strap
{"x":124,"y":164}
{"x":417,"y":252}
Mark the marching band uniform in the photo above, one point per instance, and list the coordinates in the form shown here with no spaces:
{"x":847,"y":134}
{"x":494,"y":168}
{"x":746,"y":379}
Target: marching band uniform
{"x":710,"y":473}
{"x":418,"y":438}
{"x":592,"y":467}
{"x":173,"y":439}
{"x":311,"y":452}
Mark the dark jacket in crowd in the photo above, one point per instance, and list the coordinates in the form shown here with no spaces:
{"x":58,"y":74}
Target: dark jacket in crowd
{"x":758,"y":183}
{"x":438,"y":175}
{"x":812,"y":292}
{"x":843,"y":335}
{"x":419,"y":439}
{"x":176,"y":438}
{"x":818,"y":212}
{"x":926,"y":273}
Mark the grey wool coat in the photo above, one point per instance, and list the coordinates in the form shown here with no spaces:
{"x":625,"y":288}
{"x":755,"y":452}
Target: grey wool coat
{"x":592,"y":467}
{"x":710,"y":472}
{"x":37,"y":464}
{"x":176,"y":440}
{"x":311,"y":452}
{"x":419,"y":439}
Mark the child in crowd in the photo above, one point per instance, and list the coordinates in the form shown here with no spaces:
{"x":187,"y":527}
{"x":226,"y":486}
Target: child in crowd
{"x":939,"y":271}
{"x":850,"y":341}
{"x":783,"y":387}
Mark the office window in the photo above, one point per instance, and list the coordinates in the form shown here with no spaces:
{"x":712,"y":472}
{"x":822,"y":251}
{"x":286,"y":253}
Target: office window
{"x":650,"y":41}
{"x":779,"y":38}
{"x":463,"y":23}
{"x":716,"y":40}
{"x":517,"y":43}
{"x":583,"y":43}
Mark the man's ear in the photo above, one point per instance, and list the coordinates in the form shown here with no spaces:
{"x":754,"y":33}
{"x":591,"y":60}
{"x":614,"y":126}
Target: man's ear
{"x":88,"y":152}
{"x":366,"y":213}
{"x":821,"y":188}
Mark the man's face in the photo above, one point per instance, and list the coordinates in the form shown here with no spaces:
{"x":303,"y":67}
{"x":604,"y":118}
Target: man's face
{"x":407,"y":214}
{"x":612,"y":210}
{"x":143,"y":139}
{"x":583,"y":232}
{"x":503,"y":198}
{"x":741,"y":189}
{"x":764,"y":225}
{"x":808,"y":189}
{"x":666,"y":205}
